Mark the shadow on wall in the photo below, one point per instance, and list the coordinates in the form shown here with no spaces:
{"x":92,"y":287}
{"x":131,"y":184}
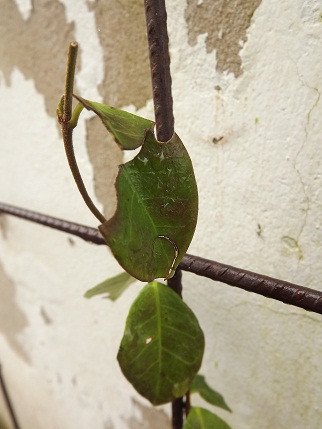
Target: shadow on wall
{"x":12,"y":319}
{"x":150,"y":418}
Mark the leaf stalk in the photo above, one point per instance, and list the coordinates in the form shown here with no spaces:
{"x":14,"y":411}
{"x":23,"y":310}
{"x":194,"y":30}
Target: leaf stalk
{"x":68,"y":121}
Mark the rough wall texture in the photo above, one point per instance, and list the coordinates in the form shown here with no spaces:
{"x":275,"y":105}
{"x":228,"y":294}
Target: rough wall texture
{"x":246,"y":85}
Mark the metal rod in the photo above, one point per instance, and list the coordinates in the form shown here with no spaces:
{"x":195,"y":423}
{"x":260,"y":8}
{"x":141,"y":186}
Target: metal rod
{"x":177,"y":408}
{"x":175,"y":283}
{"x":289,"y":293}
{"x":156,"y":22}
{"x":85,"y":232}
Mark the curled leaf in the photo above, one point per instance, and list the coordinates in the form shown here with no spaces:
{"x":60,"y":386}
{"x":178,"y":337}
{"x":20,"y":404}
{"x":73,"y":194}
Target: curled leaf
{"x":163,"y":344}
{"x":127,"y":129}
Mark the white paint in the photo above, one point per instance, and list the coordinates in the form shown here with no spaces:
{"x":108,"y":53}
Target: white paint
{"x":263,"y":356}
{"x":25,"y":8}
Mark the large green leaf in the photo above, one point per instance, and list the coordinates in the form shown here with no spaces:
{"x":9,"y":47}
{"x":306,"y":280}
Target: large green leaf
{"x":162,"y":347}
{"x":127,"y":129}
{"x":199,"y":385}
{"x":199,"y":418}
{"x":156,"y":214}
{"x":157,"y":198}
{"x":112,"y":287}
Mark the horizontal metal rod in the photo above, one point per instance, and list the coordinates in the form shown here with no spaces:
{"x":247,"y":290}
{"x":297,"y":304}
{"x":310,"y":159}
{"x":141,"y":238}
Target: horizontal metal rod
{"x":85,"y":232}
{"x":289,"y":293}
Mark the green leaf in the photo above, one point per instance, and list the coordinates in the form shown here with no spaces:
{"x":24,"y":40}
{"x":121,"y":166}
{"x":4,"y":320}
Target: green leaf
{"x":127,"y":129}
{"x":163,"y":344}
{"x":113,"y":287}
{"x":199,"y":418}
{"x":199,"y":385}
{"x":157,"y":209}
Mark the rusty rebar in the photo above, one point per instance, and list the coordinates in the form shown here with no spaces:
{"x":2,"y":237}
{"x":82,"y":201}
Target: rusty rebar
{"x":158,"y":40}
{"x":177,"y":408}
{"x":280,"y":290}
{"x":178,"y":405}
{"x":175,"y":282}
{"x":85,"y":232}
{"x":289,"y":293}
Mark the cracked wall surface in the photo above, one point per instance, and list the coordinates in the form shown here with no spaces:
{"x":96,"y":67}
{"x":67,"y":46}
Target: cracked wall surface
{"x":246,"y":87}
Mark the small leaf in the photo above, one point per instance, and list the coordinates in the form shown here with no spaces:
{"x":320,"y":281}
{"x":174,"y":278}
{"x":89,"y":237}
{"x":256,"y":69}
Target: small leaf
{"x":163,"y":344}
{"x":157,"y":209}
{"x":113,"y":287}
{"x":199,"y":418}
{"x":200,"y":386}
{"x":127,"y":129}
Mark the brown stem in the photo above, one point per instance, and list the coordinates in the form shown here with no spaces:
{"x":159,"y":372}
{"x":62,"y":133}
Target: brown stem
{"x":64,"y":113}
{"x":289,"y":293}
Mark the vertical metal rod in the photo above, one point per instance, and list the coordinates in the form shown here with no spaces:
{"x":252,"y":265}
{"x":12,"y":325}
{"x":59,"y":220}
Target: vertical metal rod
{"x":8,"y":401}
{"x":177,"y":413}
{"x":178,"y":406}
{"x":156,"y":22}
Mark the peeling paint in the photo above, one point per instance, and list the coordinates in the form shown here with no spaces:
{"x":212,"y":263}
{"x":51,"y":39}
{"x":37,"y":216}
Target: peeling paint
{"x":127,"y":75}
{"x":126,"y":81}
{"x":12,"y":319}
{"x":36,"y":46}
{"x":226,"y":24}
{"x":25,"y":7}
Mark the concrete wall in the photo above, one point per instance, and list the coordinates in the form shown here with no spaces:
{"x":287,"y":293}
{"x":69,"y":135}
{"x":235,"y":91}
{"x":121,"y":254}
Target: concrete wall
{"x":246,"y":85}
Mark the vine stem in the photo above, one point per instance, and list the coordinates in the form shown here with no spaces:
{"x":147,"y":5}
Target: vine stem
{"x":68,"y":122}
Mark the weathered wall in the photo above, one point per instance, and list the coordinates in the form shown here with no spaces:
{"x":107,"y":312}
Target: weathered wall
{"x":246,"y":86}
